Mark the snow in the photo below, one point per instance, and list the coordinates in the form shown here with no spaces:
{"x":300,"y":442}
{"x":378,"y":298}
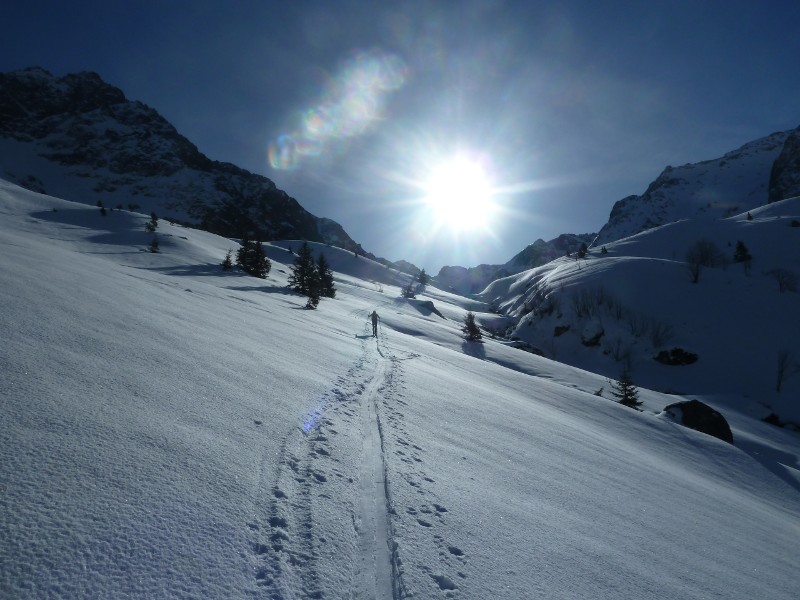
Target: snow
{"x":172,"y":430}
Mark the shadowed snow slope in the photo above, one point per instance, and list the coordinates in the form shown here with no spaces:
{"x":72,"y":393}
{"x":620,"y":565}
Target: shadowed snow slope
{"x":640,"y":297}
{"x":172,"y":430}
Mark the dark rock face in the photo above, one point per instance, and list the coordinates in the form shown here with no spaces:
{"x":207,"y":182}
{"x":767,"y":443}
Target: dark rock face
{"x":700,"y":417}
{"x":127,"y":152}
{"x":784,"y":179}
{"x":676,"y":356}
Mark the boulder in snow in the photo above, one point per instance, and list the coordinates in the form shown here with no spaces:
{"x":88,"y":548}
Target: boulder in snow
{"x":701,"y":417}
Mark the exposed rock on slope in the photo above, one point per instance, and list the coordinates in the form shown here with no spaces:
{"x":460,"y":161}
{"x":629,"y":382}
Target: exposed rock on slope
{"x":784,"y":180}
{"x":79,"y":138}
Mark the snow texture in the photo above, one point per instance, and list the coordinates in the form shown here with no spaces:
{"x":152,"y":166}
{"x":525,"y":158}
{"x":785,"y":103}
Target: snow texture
{"x":172,"y":430}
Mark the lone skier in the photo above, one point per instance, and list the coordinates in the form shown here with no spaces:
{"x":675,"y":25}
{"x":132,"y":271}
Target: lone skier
{"x":374,"y":317}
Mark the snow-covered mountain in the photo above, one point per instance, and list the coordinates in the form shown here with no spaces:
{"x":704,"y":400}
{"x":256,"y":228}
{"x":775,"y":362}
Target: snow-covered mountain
{"x":625,"y":306}
{"x":79,"y":138}
{"x":463,"y":280}
{"x":765,"y":170}
{"x":168,"y":429}
{"x":761,"y":171}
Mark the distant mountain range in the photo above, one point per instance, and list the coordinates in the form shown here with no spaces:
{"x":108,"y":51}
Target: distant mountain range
{"x":79,"y":138}
{"x":760,"y":172}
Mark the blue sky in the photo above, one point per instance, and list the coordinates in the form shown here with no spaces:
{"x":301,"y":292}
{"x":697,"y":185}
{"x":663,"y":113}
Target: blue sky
{"x":569,"y":106}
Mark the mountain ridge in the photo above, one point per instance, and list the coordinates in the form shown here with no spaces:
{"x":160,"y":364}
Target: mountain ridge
{"x":80,"y":138}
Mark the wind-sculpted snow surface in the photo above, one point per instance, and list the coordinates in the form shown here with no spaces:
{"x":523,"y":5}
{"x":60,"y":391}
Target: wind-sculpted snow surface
{"x":170,"y":430}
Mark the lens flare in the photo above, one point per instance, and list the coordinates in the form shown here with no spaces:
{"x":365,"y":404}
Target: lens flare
{"x":352,"y":102}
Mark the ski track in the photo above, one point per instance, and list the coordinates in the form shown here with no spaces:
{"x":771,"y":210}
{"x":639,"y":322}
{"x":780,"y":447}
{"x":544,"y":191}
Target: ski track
{"x":375,"y":577}
{"x":332,"y":463}
{"x":428,"y":516}
{"x":346,"y":458}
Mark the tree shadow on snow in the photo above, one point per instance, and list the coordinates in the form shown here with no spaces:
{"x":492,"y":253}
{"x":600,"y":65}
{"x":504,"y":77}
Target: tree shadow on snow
{"x":267,"y":289}
{"x":474,"y":349}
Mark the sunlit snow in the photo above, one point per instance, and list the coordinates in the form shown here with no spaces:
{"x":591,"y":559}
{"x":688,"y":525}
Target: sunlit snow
{"x":172,"y":430}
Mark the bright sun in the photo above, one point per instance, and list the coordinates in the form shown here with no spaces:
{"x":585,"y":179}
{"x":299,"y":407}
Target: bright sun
{"x":459,"y":194}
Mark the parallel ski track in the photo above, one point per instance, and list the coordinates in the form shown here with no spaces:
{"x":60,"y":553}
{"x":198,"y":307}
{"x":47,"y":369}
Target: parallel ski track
{"x":286,"y":557}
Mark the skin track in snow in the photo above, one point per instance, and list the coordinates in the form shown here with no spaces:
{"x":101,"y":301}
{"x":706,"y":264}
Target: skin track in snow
{"x":374,"y":579}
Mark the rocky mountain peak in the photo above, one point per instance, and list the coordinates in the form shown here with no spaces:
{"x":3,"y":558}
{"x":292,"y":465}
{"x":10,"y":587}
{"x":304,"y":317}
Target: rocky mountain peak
{"x":80,"y":138}
{"x":717,"y":188}
{"x":784,"y":179}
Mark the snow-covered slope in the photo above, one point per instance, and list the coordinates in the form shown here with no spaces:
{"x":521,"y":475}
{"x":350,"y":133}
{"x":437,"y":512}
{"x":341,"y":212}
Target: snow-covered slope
{"x":626,"y":306}
{"x":464,"y":280}
{"x":171,"y":430}
{"x":729,"y":185}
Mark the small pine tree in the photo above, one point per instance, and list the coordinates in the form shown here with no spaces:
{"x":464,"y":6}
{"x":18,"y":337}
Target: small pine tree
{"x":583,"y":250}
{"x":749,"y":217}
{"x":625,"y":392}
{"x":303,"y":270}
{"x":742,"y":255}
{"x":603,"y":250}
{"x":152,"y":224}
{"x":327,"y":288}
{"x":227,"y":263}
{"x":154,"y":245}
{"x":423,"y":278}
{"x":471,"y":330}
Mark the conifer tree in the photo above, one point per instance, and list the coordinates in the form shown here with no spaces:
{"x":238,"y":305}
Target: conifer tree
{"x":423,"y":278}
{"x":250,"y":258}
{"x":227,"y":263}
{"x":471,"y":330}
{"x":313,"y":289}
{"x":258,"y":264}
{"x":152,"y":224}
{"x":625,"y":392}
{"x":742,"y":255}
{"x":154,"y":247}
{"x":303,"y":270}
{"x":326,"y":287}
{"x":241,"y":253}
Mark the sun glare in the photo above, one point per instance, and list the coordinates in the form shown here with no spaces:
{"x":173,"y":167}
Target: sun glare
{"x":459,"y":194}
